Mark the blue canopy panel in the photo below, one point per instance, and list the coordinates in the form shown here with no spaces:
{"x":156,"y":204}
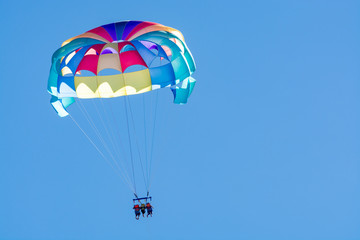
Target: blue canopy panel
{"x":66,"y":87}
{"x":183,"y":90}
{"x":60,"y":105}
{"x":111,"y":30}
{"x":143,"y":49}
{"x":147,"y":55}
{"x":119,"y":28}
{"x":162,"y":76}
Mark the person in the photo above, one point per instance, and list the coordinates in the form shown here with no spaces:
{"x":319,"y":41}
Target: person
{"x":137,"y":211}
{"x":149,"y":209}
{"x":142,"y":207}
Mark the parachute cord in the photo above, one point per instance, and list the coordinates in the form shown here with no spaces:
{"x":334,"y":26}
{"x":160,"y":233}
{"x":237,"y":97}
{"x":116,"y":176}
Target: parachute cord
{"x":117,"y":135}
{"x":117,"y":142}
{"x":152,"y":141}
{"x":97,"y":132}
{"x":131,"y":153}
{"x":111,"y":140}
{"x":146,"y":143}
{"x":91,"y":123}
{"x":137,"y":143}
{"x":105,"y":126}
{"x":102,"y":155}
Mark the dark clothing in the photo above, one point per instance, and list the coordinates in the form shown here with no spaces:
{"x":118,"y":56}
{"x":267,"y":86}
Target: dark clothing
{"x":142,"y":208}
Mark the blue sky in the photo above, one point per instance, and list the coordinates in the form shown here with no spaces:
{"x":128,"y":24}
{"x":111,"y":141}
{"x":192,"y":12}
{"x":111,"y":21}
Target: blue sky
{"x":267,"y":148}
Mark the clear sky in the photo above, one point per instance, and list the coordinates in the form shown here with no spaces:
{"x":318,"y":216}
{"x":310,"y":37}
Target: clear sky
{"x":266,"y":148}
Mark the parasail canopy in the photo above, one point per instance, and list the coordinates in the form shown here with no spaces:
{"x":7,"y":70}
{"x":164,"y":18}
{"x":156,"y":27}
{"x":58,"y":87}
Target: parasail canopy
{"x":120,"y":59}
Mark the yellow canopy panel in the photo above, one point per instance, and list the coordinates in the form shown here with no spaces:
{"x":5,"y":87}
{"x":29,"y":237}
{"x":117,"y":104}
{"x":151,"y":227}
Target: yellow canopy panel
{"x":113,"y":85}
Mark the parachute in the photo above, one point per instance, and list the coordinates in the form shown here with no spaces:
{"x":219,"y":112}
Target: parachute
{"x":120,"y":61}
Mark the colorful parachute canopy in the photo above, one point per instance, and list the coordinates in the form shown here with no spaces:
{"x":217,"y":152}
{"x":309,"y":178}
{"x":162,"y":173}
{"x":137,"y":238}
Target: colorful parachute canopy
{"x":119,"y":59}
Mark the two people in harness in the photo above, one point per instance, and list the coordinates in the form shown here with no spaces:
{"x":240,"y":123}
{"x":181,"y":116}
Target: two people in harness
{"x":142,"y":207}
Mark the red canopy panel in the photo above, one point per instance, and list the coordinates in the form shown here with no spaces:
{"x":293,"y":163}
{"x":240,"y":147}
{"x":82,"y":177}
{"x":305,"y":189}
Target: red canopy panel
{"x":89,"y":62}
{"x":130,"y":58}
{"x":102,"y":33}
